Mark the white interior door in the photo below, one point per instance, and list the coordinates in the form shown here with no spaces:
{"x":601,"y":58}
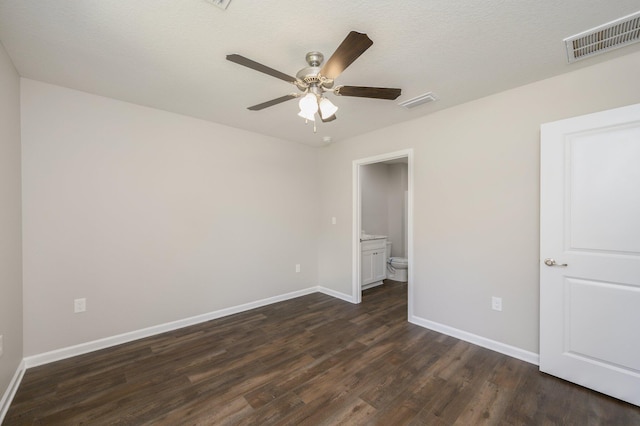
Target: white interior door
{"x":590,"y":227}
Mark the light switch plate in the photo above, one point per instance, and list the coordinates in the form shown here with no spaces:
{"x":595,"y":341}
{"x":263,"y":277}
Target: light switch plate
{"x":496,"y":303}
{"x":79,"y":305}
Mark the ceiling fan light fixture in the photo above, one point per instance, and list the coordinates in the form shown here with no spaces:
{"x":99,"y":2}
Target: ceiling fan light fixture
{"x":327,"y":108}
{"x":307,"y":116}
{"x":308,"y":104}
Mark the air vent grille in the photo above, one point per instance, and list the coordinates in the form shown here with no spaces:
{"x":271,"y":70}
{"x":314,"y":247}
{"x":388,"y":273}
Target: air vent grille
{"x":222,"y":4}
{"x":419,"y":100}
{"x":612,"y":35}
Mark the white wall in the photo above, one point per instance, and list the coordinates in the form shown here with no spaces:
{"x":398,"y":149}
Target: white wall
{"x":383,"y":212}
{"x":10,"y":222}
{"x":396,"y":208}
{"x":476,"y":176}
{"x":374,"y":198}
{"x":153,"y":216}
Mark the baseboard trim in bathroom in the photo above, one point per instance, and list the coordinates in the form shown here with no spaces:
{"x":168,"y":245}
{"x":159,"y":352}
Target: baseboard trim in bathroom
{"x":512,"y":351}
{"x":83,"y":348}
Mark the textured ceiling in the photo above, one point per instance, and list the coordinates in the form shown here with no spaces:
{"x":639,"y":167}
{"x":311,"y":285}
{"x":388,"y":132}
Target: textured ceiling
{"x":170,"y":54}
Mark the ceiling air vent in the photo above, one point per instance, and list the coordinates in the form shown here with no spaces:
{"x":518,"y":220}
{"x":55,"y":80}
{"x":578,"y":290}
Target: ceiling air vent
{"x":612,"y":35}
{"x":419,"y":100}
{"x":222,"y":4}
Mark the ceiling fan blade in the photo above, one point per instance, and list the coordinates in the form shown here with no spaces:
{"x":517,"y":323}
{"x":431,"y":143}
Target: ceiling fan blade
{"x":241,"y":60}
{"x":328,"y":119}
{"x":272,"y":102}
{"x":368,"y":92}
{"x":349,"y":50}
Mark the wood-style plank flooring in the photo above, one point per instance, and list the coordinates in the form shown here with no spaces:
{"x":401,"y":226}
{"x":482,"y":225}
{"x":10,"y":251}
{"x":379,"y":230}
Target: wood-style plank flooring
{"x":314,"y":360}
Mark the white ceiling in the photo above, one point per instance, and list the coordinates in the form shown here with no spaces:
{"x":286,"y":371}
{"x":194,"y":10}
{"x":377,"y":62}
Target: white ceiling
{"x":170,"y":54}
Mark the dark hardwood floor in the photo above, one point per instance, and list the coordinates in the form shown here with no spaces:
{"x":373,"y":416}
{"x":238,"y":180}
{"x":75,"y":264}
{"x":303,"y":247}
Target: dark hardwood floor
{"x":311,"y":360}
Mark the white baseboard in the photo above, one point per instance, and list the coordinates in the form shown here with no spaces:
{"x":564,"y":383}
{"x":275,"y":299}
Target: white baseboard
{"x":512,"y":351}
{"x":5,"y":402}
{"x":336,"y":294}
{"x":83,"y":348}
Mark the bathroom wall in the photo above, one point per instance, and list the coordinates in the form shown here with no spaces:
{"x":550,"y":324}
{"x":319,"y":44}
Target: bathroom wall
{"x":374,"y":181}
{"x":476,"y":173}
{"x":153,"y":217}
{"x":10,"y":223}
{"x":383,"y":207}
{"x":397,"y":208}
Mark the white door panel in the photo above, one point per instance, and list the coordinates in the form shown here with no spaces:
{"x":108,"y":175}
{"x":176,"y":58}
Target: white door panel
{"x":590,"y":222}
{"x":604,"y":201}
{"x":595,"y":331}
{"x":366,"y":265}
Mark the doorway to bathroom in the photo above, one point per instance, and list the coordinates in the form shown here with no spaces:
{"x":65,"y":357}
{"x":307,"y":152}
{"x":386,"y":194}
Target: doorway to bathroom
{"x":382,"y":214}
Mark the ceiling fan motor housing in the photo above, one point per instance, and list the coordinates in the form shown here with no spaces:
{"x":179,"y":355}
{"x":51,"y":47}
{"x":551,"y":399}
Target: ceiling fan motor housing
{"x":311,"y":75}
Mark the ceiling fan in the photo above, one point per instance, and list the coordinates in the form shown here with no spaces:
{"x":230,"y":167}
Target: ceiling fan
{"x":317,"y":79}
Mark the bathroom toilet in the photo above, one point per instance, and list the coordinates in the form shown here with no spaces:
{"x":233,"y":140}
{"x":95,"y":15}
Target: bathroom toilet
{"x":397,"y":267}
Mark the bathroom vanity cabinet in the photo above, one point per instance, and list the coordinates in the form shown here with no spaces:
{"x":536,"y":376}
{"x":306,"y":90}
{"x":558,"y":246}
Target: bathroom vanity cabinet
{"x":373,"y":262}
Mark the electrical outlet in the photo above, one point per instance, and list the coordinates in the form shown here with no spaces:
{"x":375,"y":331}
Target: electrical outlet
{"x":496,"y":303}
{"x":333,"y":220}
{"x":79,"y":305}
{"x":297,"y":267}
{"x":1,"y":344}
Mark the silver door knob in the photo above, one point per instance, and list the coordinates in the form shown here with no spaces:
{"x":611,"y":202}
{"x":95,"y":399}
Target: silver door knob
{"x":550,"y":262}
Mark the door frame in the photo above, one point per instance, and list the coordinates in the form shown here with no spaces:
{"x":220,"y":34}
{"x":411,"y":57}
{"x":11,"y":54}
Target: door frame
{"x":356,"y":293}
